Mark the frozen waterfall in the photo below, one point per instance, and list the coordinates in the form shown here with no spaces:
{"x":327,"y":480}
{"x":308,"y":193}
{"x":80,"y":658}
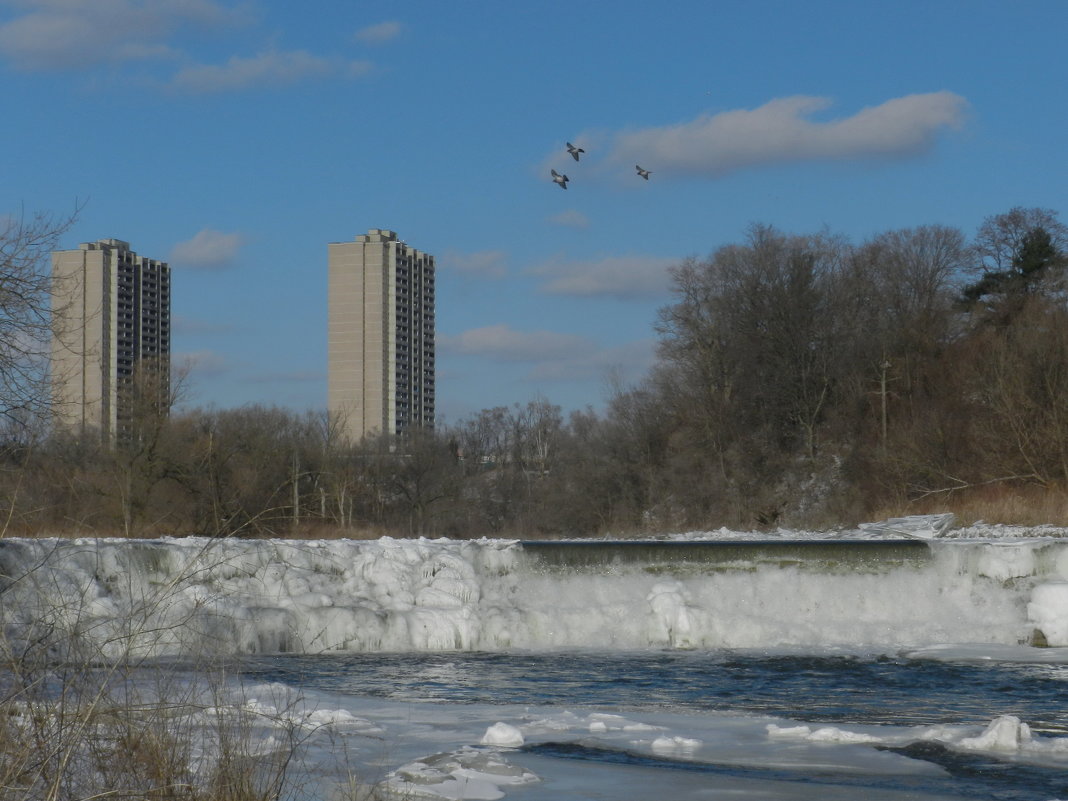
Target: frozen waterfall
{"x":200,"y":596}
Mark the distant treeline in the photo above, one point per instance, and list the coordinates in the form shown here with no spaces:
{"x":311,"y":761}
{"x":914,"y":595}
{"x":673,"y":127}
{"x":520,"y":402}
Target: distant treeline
{"x":801,"y":380}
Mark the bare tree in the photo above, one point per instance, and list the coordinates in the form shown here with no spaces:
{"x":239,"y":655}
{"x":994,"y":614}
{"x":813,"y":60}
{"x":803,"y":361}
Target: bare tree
{"x":782,"y":334}
{"x":423,"y":476}
{"x":484,"y":440}
{"x":26,"y":313}
{"x":535,"y":436}
{"x":902,"y":286}
{"x":143,"y":457}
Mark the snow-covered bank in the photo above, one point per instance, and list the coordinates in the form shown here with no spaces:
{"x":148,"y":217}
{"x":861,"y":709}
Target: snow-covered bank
{"x":185,"y":596}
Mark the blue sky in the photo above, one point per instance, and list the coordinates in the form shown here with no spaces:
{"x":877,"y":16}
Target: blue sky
{"x":236,"y":138}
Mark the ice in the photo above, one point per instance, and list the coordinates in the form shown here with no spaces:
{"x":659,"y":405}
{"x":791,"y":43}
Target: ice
{"x":201,"y":596}
{"x":1048,"y":610}
{"x":917,"y":526}
{"x":606,"y":721}
{"x":503,"y":734}
{"x":1006,"y":733}
{"x":788,"y":732}
{"x":463,"y":774}
{"x":989,"y":652}
{"x":823,"y":734}
{"x":675,"y":744}
{"x":1005,"y":561}
{"x":705,"y":740}
{"x":670,"y":614}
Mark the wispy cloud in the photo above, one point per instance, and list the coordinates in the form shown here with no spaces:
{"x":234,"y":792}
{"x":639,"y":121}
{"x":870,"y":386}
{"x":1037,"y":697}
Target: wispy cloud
{"x":203,"y":363}
{"x":629,"y":361}
{"x":193,"y":326}
{"x":620,"y":277}
{"x":83,"y":34}
{"x":269,"y":69}
{"x":291,"y":377}
{"x":74,"y":34}
{"x":482,"y":264}
{"x":782,"y":131}
{"x":208,"y":250}
{"x":503,"y":343}
{"x":571,"y":218}
{"x":380,"y":33}
{"x":552,"y":356}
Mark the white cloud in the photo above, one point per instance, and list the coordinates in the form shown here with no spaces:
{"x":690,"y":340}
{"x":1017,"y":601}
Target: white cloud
{"x":621,"y":277}
{"x":71,"y":34}
{"x":571,"y":218}
{"x":782,"y":131}
{"x":483,"y":264}
{"x":209,"y":249}
{"x":377,"y":34}
{"x":503,"y":343}
{"x":271,"y":68}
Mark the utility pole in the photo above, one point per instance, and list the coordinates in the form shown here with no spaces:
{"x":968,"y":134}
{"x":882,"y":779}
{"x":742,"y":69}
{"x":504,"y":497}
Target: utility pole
{"x":882,"y":396}
{"x":296,"y":492}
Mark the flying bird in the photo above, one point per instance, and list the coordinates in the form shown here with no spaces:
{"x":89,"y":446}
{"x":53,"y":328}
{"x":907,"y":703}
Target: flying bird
{"x":574,"y":151}
{"x":560,"y":179}
{"x":643,"y":173}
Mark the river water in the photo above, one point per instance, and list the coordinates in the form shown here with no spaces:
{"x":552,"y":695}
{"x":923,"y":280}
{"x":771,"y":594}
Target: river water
{"x":949,"y":722}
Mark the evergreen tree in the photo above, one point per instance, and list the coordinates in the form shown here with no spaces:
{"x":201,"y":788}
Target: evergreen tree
{"x":1033,"y":263}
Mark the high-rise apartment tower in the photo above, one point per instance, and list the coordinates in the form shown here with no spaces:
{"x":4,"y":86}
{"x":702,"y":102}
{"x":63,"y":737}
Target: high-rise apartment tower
{"x":111,"y":346}
{"x":381,"y":335}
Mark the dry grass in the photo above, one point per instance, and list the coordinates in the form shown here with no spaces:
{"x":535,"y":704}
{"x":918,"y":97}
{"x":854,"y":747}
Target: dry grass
{"x":1023,"y":505}
{"x":98,"y":734}
{"x":1001,"y":503}
{"x":306,"y":531}
{"x":77,"y":723}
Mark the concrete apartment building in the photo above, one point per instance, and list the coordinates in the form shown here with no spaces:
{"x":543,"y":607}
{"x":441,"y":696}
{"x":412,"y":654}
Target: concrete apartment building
{"x":380,"y":335}
{"x":112,"y":314}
